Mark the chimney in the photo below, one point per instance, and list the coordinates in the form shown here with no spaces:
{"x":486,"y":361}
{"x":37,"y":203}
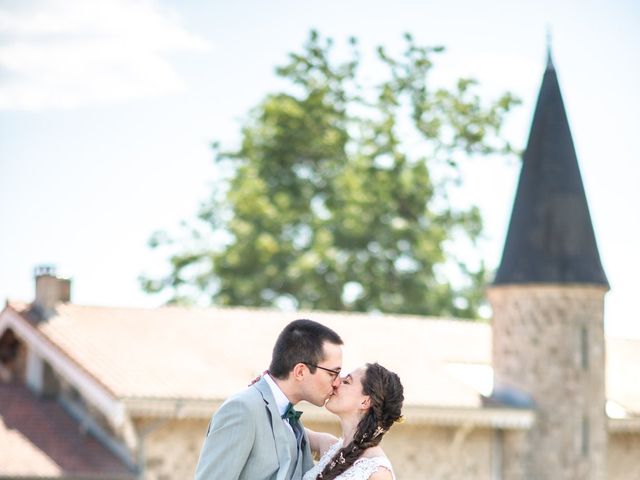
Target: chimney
{"x":50,"y":290}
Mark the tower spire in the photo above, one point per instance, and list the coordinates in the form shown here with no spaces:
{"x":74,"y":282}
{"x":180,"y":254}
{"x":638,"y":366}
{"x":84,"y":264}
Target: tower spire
{"x":550,"y":237}
{"x":549,"y":42}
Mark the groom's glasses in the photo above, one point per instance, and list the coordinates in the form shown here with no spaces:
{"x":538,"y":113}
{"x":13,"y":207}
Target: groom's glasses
{"x":335,"y":373}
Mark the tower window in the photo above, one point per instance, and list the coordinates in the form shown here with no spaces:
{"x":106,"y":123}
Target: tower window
{"x":585,"y":436}
{"x":584,"y":348}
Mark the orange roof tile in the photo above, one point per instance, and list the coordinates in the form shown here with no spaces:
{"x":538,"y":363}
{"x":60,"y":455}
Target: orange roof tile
{"x":39,"y":439}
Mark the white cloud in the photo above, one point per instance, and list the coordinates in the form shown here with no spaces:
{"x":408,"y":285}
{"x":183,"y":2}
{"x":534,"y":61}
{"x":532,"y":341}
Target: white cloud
{"x":72,"y":53}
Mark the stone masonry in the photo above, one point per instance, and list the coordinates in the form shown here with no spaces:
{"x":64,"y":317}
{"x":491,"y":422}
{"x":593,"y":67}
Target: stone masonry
{"x":416,"y":451}
{"x":548,"y":341}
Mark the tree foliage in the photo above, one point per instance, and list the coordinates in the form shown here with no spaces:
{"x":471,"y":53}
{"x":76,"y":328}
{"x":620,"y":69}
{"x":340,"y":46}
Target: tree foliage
{"x":338,"y":196}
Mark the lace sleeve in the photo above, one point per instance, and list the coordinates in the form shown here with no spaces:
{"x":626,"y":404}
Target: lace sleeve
{"x":362,"y":469}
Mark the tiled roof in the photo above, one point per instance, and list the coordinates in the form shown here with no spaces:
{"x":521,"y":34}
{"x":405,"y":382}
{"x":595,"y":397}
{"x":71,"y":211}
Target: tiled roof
{"x":39,"y":439}
{"x":208,"y":354}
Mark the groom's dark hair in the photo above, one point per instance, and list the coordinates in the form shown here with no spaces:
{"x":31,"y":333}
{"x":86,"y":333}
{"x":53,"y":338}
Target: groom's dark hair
{"x":301,"y":341}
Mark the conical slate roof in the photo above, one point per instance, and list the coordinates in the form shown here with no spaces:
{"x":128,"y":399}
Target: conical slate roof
{"x":550,"y":237}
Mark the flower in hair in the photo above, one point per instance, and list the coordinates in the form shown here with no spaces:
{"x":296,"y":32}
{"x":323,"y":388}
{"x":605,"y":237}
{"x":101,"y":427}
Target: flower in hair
{"x":379,"y":431}
{"x":341,"y":458}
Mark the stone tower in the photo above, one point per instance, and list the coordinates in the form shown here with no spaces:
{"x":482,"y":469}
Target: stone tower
{"x":548,"y":306}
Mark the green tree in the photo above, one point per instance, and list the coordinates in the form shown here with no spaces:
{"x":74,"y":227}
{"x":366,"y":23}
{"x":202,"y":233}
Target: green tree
{"x":328,"y":205}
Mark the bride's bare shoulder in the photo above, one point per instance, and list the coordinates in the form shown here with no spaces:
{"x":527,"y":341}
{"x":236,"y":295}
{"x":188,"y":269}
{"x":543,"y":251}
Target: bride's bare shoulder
{"x":381,"y":474}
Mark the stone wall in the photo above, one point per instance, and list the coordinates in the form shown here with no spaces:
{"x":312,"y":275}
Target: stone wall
{"x":172,"y":448}
{"x":416,"y":451}
{"x":434,"y":452}
{"x":439,"y":453}
{"x":515,"y":455}
{"x":623,"y":462}
{"x":548,"y":341}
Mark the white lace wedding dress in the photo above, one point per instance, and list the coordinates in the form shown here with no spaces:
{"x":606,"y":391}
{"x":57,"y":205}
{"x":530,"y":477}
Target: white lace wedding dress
{"x":362,"y":469}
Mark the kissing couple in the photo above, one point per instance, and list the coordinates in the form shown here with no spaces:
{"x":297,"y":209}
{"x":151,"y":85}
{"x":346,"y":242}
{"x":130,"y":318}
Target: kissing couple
{"x":258,"y":435}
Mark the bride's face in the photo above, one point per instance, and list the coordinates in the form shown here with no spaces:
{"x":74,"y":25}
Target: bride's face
{"x":348,"y":397}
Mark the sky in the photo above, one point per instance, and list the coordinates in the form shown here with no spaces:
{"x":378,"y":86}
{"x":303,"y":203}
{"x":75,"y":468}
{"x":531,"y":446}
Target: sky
{"x":108,"y":110}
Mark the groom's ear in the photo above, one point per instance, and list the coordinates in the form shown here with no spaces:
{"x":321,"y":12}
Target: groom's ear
{"x":299,"y":371}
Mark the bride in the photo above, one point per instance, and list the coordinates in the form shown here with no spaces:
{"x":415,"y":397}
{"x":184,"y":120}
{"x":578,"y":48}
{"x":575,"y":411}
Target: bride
{"x":368,"y":401}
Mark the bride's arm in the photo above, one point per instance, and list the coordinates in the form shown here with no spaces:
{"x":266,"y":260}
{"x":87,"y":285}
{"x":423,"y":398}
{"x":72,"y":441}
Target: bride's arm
{"x":320,"y":441}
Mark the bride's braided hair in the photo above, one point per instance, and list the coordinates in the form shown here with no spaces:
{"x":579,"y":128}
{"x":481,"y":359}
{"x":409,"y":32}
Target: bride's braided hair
{"x":386,"y":396}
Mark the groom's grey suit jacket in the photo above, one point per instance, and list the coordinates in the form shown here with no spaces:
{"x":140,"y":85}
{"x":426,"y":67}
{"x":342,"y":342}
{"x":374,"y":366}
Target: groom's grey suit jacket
{"x":247,"y":440}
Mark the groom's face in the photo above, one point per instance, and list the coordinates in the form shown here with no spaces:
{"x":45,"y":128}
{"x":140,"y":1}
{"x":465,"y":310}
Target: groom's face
{"x":323,"y":383}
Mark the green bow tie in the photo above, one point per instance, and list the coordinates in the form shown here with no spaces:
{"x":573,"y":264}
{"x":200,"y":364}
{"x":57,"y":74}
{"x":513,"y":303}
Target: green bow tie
{"x":292,"y":415}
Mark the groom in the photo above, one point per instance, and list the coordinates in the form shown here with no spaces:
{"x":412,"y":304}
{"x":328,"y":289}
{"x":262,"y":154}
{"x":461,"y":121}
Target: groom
{"x":256,"y":434}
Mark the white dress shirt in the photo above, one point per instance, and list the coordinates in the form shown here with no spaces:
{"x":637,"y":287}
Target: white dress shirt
{"x":282,"y":402}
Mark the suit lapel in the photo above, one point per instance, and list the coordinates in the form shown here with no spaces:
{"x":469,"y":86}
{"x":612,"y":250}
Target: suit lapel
{"x":281,"y":435}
